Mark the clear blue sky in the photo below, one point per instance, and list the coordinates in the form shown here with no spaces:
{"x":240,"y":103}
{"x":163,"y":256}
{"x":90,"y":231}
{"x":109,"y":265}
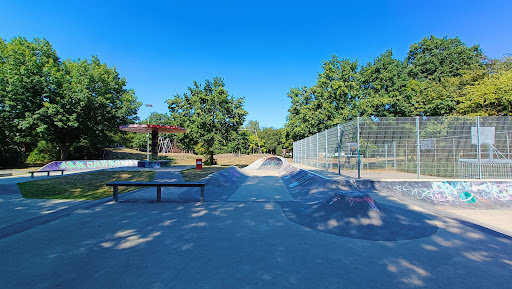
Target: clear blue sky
{"x":261,"y":48}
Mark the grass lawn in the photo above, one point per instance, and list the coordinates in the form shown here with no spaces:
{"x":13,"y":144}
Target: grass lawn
{"x":88,"y":186}
{"x":194,"y":175}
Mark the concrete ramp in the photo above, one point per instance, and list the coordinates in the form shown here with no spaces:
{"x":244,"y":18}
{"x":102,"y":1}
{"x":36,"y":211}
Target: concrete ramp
{"x":220,"y":186}
{"x":262,"y":186}
{"x":356,"y":215}
{"x":347,"y":209}
{"x":268,"y":163}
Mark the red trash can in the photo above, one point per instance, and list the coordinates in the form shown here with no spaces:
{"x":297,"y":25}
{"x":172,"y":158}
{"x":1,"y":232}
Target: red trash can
{"x":199,"y":164}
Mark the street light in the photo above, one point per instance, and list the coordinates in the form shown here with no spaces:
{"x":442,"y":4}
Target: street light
{"x":149,"y":106}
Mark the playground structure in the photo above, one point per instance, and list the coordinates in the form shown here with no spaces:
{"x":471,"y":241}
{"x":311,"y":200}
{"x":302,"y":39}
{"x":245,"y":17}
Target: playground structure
{"x":165,"y":146}
{"x":155,"y":130}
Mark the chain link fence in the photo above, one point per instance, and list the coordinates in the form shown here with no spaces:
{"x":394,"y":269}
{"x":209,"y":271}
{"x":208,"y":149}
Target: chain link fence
{"x":467,"y":147}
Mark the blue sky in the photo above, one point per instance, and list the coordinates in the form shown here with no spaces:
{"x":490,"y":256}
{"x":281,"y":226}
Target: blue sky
{"x":260,"y":48}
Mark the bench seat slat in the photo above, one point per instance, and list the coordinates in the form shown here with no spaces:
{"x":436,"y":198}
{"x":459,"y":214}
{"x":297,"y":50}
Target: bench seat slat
{"x":158,"y":186}
{"x":155,"y":184}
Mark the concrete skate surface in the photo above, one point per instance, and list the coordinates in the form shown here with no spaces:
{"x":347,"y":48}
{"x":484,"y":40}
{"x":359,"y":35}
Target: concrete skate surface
{"x":245,"y":244}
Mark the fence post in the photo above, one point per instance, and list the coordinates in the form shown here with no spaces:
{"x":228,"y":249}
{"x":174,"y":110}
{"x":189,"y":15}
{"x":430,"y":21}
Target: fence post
{"x":326,"y":148}
{"x":304,"y":146}
{"x":418,"y":162}
{"x":386,"y":154}
{"x":394,"y":155}
{"x":317,"y":151}
{"x":339,"y":151}
{"x":294,"y":160}
{"x":311,"y":151}
{"x":454,"y":158}
{"x":508,"y":148}
{"x":358,"y":151}
{"x":406,"y":157}
{"x":478,"y":147}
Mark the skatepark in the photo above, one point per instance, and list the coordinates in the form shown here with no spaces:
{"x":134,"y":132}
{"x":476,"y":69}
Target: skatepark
{"x":269,"y":225}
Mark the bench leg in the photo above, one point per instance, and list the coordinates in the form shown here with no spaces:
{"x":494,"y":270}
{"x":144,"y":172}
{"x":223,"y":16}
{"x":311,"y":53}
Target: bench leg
{"x":158,"y":194}
{"x":61,"y":173}
{"x":48,"y":174}
{"x":115,"y":194}
{"x":202,"y":194}
{"x":31,"y":174}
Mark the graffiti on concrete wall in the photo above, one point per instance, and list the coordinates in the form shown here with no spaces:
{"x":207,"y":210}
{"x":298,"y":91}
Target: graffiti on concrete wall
{"x":93,"y":164}
{"x":357,"y":184}
{"x":468,"y":192}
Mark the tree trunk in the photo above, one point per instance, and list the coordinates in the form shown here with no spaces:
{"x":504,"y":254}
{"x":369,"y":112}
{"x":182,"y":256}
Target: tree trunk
{"x":64,"y":152}
{"x":64,"y":149}
{"x":211,"y":159}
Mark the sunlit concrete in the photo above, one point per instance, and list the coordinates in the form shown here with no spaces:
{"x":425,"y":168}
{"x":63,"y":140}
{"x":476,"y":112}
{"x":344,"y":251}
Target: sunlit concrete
{"x":138,"y":243}
{"x":14,"y":208}
{"x":239,"y":245}
{"x":262,"y":185}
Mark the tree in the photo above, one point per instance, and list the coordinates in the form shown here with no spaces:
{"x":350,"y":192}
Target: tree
{"x":436,"y":58}
{"x":271,"y":139}
{"x":239,"y":142}
{"x":491,"y":96}
{"x":87,"y":105}
{"x":330,"y":101}
{"x":253,"y":125}
{"x":25,"y":68}
{"x":383,"y":84}
{"x":210,"y":115}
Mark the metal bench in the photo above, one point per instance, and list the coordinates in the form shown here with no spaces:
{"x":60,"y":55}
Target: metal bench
{"x":46,"y":171}
{"x":158,"y":186}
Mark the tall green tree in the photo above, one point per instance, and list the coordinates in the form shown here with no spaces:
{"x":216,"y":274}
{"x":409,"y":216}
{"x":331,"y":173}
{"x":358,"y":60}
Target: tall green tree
{"x":210,"y":115}
{"x":271,"y":139}
{"x":492,"y":96}
{"x":88,"y":103}
{"x":253,"y":125}
{"x":383,"y":88}
{"x":331,"y":100}
{"x":436,"y":58}
{"x":335,"y":93}
{"x":25,"y":70}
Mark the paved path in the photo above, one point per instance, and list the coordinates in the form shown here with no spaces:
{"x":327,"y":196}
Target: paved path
{"x":262,"y":186}
{"x":241,"y":245}
{"x":14,"y":209}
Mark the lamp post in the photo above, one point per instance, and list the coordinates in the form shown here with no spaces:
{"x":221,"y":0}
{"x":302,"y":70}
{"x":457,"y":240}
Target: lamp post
{"x":149,"y":106}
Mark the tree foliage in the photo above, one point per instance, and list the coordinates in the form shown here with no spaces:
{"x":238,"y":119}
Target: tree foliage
{"x":209,"y":114}
{"x":71,"y":104}
{"x":383,"y":84}
{"x":436,"y":58}
{"x":25,"y":68}
{"x":439,"y":77}
{"x":89,"y":102}
{"x":492,"y":96}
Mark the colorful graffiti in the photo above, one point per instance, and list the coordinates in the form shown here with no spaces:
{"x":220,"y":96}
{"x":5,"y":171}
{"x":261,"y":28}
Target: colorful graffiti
{"x":271,"y":163}
{"x":467,"y":192}
{"x":357,"y":184}
{"x":93,"y":164}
